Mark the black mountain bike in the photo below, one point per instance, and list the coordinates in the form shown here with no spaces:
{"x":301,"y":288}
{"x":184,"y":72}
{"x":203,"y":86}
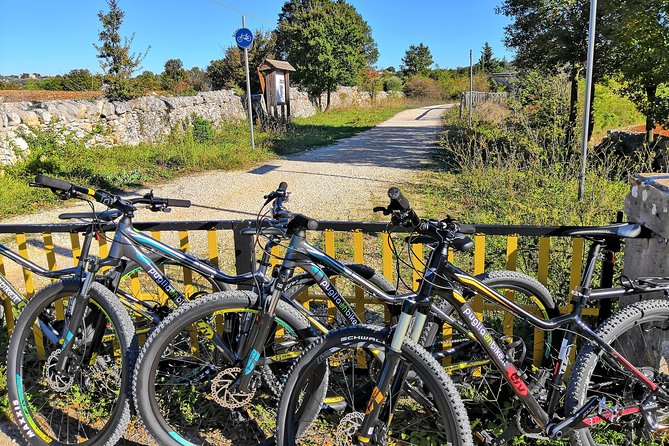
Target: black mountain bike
{"x":619,"y":378}
{"x":60,"y":351}
{"x":194,"y":385}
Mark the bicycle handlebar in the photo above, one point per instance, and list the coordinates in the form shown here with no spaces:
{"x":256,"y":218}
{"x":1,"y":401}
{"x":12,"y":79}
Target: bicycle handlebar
{"x":404,"y":215}
{"x":70,"y":190}
{"x":295,"y":221}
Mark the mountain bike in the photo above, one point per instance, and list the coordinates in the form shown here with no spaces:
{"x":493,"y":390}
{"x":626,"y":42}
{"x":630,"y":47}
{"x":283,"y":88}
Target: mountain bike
{"x":610,"y":384}
{"x":220,"y":385}
{"x":130,"y":252}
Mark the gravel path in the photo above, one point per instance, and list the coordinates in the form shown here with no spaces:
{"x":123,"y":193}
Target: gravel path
{"x":338,"y":182}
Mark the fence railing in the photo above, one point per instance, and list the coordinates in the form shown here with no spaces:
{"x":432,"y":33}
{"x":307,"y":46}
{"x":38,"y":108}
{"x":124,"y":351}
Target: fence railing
{"x":357,"y":241}
{"x":478,"y":98}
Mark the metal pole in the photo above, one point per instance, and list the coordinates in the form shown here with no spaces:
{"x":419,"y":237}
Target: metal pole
{"x":248,"y":88}
{"x":588,"y":97}
{"x":471,"y":87}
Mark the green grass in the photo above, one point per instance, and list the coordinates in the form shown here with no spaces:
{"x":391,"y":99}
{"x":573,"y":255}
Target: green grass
{"x":127,"y":167}
{"x":327,"y":127}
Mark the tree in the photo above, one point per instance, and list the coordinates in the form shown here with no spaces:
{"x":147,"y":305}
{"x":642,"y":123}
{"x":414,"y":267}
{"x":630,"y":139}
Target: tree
{"x":229,"y":71}
{"x":327,"y":41}
{"x":487,"y":63}
{"x":549,"y":36}
{"x":80,"y":80}
{"x":174,"y":74}
{"x":147,"y":81}
{"x":417,"y":59}
{"x":199,"y":79}
{"x":640,"y":52}
{"x":116,"y":59}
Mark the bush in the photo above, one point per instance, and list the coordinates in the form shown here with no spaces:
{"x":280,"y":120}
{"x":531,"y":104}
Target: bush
{"x":203,"y":131}
{"x":423,"y":88}
{"x":392,"y":83}
{"x":8,"y":85}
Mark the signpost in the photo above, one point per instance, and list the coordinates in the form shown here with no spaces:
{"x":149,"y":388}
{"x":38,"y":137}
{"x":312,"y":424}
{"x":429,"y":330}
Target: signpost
{"x":244,"y":39}
{"x":588,"y":98}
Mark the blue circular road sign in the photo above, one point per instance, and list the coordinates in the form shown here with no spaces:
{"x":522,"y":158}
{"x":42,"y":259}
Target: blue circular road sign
{"x":244,"y":38}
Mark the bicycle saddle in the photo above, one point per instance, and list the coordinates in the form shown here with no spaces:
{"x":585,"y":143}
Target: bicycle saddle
{"x":108,"y":215}
{"x":622,"y":230}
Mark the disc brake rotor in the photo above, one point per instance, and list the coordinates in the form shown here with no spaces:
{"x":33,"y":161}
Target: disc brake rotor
{"x":347,"y":430}
{"x":227,"y":396}
{"x":57,"y":381}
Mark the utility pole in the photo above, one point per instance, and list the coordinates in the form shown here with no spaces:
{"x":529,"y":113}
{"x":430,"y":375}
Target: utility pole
{"x":471,"y":87}
{"x":588,"y":98}
{"x":248,"y":88}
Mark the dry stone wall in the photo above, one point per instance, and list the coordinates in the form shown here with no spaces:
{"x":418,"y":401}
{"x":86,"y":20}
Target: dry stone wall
{"x":145,"y":119}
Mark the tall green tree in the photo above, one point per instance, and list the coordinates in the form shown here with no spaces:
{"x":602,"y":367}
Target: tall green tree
{"x":174,"y":74}
{"x":117,"y":60}
{"x":640,"y":52}
{"x":488,"y":63}
{"x":80,"y":80}
{"x":327,"y":41}
{"x":228,"y":72}
{"x":550,"y":36}
{"x":417,"y":59}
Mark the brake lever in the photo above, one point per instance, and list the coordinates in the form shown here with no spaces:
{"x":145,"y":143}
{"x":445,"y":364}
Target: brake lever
{"x":385,"y":211}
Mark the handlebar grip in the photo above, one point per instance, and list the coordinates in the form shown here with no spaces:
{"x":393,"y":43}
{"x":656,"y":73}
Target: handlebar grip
{"x":171,"y":202}
{"x":53,"y":183}
{"x":283,"y":186}
{"x":397,"y":198}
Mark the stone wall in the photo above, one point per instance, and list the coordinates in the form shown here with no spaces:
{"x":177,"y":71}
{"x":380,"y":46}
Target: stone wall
{"x":145,"y":119}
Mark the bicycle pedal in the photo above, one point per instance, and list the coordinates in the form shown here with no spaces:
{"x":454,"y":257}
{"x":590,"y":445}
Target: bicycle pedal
{"x":483,"y":437}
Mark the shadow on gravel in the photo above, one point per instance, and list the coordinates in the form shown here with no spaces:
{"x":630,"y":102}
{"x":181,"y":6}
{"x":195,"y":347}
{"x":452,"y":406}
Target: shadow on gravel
{"x":397,"y":146}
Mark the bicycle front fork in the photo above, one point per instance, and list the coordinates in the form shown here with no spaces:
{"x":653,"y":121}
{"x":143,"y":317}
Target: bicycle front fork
{"x":391,"y":377}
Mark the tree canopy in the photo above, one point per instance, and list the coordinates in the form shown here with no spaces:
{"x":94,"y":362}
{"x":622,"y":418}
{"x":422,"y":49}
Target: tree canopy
{"x":417,"y":59}
{"x":174,"y":74}
{"x":117,"y":60}
{"x":327,"y":41}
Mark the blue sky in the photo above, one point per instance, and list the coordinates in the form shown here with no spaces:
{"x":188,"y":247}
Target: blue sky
{"x":55,"y":36}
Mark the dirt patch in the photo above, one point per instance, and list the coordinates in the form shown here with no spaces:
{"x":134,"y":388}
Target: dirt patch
{"x":45,"y":95}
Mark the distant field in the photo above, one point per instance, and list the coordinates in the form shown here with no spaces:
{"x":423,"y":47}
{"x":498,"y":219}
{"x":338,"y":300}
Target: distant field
{"x":45,"y":95}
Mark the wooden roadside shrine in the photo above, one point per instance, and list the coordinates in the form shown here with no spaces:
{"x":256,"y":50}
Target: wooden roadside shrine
{"x":275,"y":83}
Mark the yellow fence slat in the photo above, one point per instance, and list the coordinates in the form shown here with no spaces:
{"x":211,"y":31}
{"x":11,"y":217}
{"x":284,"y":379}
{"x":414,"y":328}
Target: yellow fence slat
{"x":51,"y":264}
{"x":511,"y":260}
{"x":162,"y":297}
{"x":544,"y":256}
{"x":104,"y":249}
{"x":576,"y":263}
{"x":27,"y":275}
{"x":358,"y":258}
{"x":9,"y":308}
{"x":275,"y":259}
{"x":184,"y":244}
{"x":417,"y":262}
{"x":386,"y":257}
{"x":76,"y":247}
{"x":212,"y":245}
{"x":542,"y":276}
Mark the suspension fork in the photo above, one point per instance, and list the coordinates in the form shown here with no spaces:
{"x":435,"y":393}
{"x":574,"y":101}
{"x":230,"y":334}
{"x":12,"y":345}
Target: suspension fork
{"x":387,"y":374}
{"x":265,"y":321}
{"x":76,"y":308}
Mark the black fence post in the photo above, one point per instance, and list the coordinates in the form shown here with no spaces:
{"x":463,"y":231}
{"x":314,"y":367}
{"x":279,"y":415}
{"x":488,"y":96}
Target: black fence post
{"x":245,"y":255}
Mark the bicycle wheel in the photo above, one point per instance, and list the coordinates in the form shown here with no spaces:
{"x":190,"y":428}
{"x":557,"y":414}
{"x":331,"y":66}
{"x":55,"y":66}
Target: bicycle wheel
{"x":182,"y":380}
{"x":89,"y":402}
{"x":303,"y":286}
{"x":428,"y":411}
{"x":638,"y":332}
{"x":136,"y":285}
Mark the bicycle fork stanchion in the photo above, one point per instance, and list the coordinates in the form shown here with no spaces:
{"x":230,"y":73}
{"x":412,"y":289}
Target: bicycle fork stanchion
{"x":77,"y":307}
{"x":387,"y":373}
